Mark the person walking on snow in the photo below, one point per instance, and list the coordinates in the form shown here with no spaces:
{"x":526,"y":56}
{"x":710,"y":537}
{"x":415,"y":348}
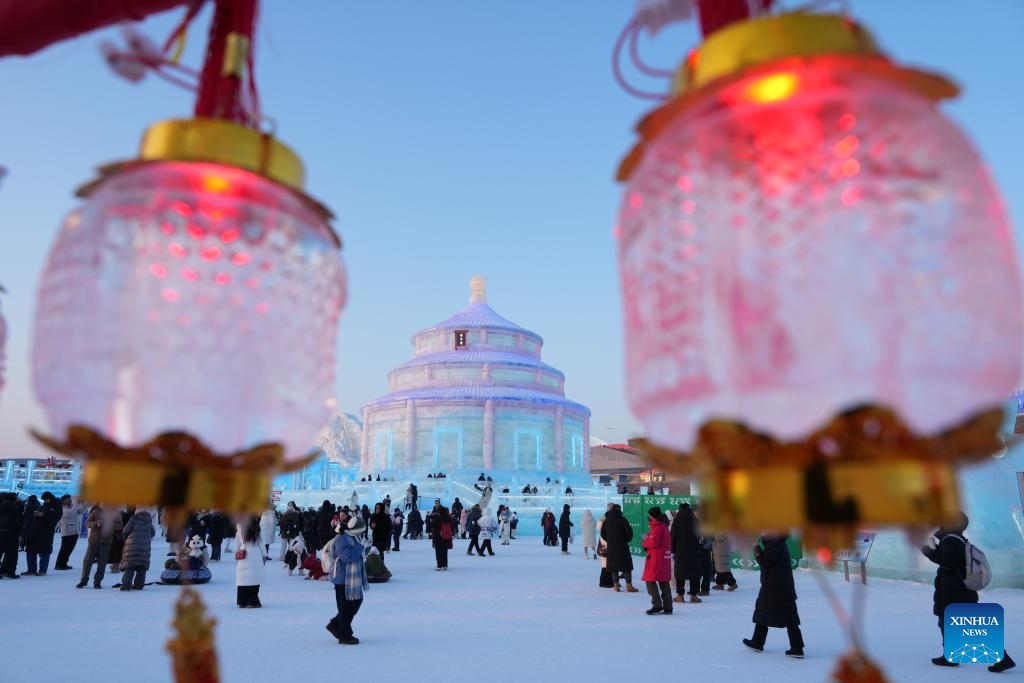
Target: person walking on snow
{"x":565,"y":526}
{"x":776,"y":601}
{"x":473,"y":526}
{"x":69,"y":528}
{"x":949,"y":552}
{"x":658,"y":566}
{"x":686,"y":546}
{"x":102,"y":525}
{"x":487,"y":526}
{"x":505,"y":526}
{"x":588,"y":525}
{"x":722,"y":551}
{"x":442,"y":540}
{"x":348,"y":574}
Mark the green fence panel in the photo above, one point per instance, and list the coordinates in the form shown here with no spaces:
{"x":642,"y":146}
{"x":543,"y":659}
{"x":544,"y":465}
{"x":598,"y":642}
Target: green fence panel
{"x":635,"y":507}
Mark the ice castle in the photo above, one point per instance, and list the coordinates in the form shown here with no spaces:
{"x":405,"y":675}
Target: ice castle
{"x":476,"y":397}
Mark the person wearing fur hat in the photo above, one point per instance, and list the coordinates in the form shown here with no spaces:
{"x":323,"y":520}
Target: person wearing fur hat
{"x":658,"y":567}
{"x":348,"y":574}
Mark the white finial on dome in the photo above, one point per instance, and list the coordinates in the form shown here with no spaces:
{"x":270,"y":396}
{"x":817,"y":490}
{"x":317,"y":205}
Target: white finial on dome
{"x":478,"y":289}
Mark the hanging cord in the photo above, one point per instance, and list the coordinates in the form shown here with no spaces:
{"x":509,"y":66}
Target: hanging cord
{"x":851,"y":627}
{"x":638,"y":62}
{"x":630,"y":29}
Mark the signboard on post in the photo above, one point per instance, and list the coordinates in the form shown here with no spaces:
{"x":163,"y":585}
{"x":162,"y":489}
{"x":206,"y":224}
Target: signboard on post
{"x":858,"y":553}
{"x":275,"y":497}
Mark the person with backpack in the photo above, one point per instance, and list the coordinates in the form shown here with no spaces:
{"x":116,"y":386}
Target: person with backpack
{"x":442,"y":540}
{"x":962,"y":571}
{"x":776,"y":601}
{"x":347,"y":572}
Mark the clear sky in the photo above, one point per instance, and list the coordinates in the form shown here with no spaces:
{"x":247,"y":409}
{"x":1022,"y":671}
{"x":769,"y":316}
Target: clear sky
{"x":450,"y":137}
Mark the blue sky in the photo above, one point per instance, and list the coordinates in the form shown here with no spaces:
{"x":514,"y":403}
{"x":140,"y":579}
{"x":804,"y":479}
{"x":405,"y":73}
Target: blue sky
{"x":451,"y":138}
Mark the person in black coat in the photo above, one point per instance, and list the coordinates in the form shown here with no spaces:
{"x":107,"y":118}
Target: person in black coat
{"x":309,"y":531}
{"x":776,"y":601}
{"x":687,"y":551}
{"x":950,"y":553}
{"x":617,"y":533}
{"x":39,"y":542}
{"x":565,"y":526}
{"x":217,"y":522}
{"x":324,"y":522}
{"x":10,"y":530}
{"x":380,"y":526}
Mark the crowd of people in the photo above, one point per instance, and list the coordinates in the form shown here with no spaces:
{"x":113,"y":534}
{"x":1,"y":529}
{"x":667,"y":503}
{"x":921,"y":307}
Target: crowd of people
{"x":347,"y":544}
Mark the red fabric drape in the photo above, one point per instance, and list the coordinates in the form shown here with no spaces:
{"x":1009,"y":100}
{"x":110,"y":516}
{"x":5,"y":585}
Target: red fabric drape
{"x":27,"y":26}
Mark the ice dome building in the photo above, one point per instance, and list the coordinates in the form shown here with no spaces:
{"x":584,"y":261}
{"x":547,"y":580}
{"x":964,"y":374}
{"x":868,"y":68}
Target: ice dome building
{"x":476,"y":397}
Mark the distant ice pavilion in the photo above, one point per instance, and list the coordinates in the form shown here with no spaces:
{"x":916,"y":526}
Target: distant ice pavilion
{"x":476,"y":397}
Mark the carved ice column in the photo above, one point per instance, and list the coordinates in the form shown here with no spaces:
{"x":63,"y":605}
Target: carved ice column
{"x":410,"y":434}
{"x":559,"y":451}
{"x":364,"y":451}
{"x":489,"y":434}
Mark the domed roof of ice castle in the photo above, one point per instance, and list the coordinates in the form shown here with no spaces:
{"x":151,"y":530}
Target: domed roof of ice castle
{"x":478,"y":315}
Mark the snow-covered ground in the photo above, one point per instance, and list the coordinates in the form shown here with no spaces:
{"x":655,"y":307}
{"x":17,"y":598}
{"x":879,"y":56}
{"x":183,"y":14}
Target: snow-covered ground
{"x":528,"y":614}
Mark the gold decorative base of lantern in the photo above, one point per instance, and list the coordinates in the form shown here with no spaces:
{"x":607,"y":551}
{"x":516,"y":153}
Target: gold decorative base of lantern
{"x":192,"y":650}
{"x":865,"y":468}
{"x":855,"y":667}
{"x":174,"y":470}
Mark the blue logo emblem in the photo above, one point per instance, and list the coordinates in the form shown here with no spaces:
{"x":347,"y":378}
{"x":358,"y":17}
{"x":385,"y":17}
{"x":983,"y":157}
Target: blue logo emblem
{"x":973,"y":633}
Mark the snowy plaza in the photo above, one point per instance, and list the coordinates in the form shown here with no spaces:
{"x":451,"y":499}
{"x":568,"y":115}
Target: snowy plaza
{"x":528,"y":613}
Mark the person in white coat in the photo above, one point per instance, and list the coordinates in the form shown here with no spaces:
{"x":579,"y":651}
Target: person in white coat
{"x":487,"y":528}
{"x":249,"y":559}
{"x":588,"y":526}
{"x":505,"y":526}
{"x":268,"y":522}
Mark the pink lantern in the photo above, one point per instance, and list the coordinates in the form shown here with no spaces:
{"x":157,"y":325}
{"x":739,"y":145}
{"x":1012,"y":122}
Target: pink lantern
{"x":191,"y":297}
{"x":803,"y":233}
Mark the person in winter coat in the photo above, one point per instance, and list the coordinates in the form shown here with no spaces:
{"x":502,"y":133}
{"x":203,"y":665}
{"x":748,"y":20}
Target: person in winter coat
{"x":658,"y":566}
{"x":565,"y":526}
{"x":456,"y":515}
{"x":348,"y":574}
{"x":686,"y":546}
{"x":28,"y":516}
{"x":722,"y":551}
{"x":487,"y":525}
{"x":103,"y":524}
{"x":215,"y":537}
{"x":268,"y":523}
{"x":505,"y":525}
{"x":117,"y":545}
{"x":464,"y":521}
{"x":295,"y":555}
{"x":776,"y":601}
{"x":249,"y":571}
{"x":69,"y":528}
{"x":397,"y":522}
{"x":617,"y":533}
{"x":290,"y":524}
{"x":473,"y":528}
{"x":324,"y":527}
{"x":588,"y":525}
{"x":513,"y":524}
{"x":604,"y":579}
{"x":39,"y":544}
{"x":442,"y":540}
{"x":380,"y":528}
{"x":949,"y":552}
{"x":10,"y":530}
{"x":138,"y":536}
{"x":415,"y":524}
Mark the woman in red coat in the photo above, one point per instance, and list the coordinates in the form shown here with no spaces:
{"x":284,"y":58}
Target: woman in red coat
{"x":658,"y":567}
